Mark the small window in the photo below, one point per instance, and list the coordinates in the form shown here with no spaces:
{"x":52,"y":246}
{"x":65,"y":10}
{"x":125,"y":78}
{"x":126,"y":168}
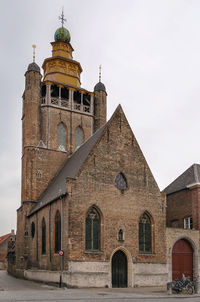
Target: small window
{"x":61,"y":137}
{"x":32,"y":229}
{"x":79,"y":137}
{"x":188,"y":223}
{"x":120,"y":182}
{"x":57,"y":232}
{"x":43,"y":236}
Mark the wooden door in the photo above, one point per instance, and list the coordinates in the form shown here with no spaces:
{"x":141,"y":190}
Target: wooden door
{"x":119,"y":270}
{"x":182,"y":259}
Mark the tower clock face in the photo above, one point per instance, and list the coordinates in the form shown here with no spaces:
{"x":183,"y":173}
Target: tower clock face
{"x":120,"y":182}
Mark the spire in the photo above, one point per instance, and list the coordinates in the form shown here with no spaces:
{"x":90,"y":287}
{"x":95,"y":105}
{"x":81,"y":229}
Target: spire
{"x":33,"y":66}
{"x":34,"y":47}
{"x":99,"y":86}
{"x":63,"y":20}
{"x":99,"y":73}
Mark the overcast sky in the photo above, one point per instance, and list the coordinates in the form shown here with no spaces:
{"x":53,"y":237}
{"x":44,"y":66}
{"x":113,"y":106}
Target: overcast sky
{"x":150,"y":56}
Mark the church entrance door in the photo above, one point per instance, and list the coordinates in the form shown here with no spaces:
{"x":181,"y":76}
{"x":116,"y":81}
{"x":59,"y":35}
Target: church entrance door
{"x":119,"y":269}
{"x":182,"y":259}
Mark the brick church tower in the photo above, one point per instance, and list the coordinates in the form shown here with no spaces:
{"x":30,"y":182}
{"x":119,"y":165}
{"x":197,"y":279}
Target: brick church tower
{"x":58,"y":115}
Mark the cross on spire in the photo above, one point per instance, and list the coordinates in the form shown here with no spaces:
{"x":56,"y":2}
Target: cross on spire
{"x":99,"y":73}
{"x":62,"y":18}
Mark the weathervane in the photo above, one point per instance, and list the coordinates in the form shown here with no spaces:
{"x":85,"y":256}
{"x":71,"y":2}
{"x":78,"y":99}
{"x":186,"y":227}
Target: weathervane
{"x":34,"y":47}
{"x":99,"y":73}
{"x":62,"y":18}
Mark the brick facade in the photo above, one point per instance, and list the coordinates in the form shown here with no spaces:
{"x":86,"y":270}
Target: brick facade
{"x":71,"y":181}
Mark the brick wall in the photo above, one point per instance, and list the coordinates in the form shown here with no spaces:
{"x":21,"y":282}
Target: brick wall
{"x":179,"y":206}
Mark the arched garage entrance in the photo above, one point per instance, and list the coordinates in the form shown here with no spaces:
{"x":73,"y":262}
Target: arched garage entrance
{"x":182,"y":259}
{"x":119,"y":269}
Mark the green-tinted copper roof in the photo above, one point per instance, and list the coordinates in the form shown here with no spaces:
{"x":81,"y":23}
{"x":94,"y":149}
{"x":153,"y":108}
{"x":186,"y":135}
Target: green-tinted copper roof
{"x":62,"y":34}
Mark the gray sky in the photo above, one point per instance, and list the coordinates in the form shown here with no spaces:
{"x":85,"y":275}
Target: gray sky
{"x":150,"y":56}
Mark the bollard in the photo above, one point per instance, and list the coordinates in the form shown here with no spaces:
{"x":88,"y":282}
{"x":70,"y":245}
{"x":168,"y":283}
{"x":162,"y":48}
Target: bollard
{"x":197,"y":286}
{"x":169,"y":288}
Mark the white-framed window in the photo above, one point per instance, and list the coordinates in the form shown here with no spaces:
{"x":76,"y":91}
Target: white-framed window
{"x":188,"y":223}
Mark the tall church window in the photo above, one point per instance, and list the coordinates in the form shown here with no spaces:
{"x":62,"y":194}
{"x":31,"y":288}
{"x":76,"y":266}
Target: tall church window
{"x":57,"y":232}
{"x":79,"y":136}
{"x":145,"y":234}
{"x":92,"y":235}
{"x":61,"y":137}
{"x":43,"y":236}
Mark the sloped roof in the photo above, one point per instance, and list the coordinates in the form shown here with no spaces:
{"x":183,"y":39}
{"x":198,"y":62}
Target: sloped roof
{"x":4,"y":237}
{"x":190,"y":177}
{"x":57,"y":187}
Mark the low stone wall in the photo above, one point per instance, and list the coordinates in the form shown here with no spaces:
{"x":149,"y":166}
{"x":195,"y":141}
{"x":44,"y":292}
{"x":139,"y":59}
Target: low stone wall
{"x":150,"y":274}
{"x":43,"y":276}
{"x":98,"y":274}
{"x":88,"y":274}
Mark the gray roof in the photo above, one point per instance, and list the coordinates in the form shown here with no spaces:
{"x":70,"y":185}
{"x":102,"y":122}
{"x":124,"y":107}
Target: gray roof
{"x":57,"y":187}
{"x":99,"y":87}
{"x":190,"y":177}
{"x":33,"y":67}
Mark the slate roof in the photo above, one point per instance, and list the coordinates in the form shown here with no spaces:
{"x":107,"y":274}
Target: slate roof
{"x":99,"y":87}
{"x":190,"y":177}
{"x":70,"y":169}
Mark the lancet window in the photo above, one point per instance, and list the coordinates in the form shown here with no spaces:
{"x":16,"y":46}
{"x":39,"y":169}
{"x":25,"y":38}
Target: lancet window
{"x":145,"y":234}
{"x":92,"y":235}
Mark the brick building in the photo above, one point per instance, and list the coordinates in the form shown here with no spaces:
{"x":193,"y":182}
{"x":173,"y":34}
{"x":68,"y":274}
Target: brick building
{"x":4,"y":240}
{"x":87,"y":189}
{"x":183,"y":212}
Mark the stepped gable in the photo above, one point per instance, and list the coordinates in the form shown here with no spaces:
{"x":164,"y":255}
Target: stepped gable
{"x":190,"y":177}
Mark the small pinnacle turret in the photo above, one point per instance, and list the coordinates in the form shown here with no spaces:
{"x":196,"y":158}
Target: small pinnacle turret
{"x":100,"y":86}
{"x":33,"y":66}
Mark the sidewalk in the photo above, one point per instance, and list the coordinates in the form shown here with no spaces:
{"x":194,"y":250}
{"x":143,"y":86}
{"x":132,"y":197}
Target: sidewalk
{"x":131,"y":292}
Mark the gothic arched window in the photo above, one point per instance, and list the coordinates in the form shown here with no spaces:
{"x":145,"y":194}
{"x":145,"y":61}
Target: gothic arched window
{"x":43,"y":236}
{"x":145,"y":234}
{"x":79,"y":137}
{"x":61,"y":137}
{"x":57,"y":232}
{"x":92,"y":236}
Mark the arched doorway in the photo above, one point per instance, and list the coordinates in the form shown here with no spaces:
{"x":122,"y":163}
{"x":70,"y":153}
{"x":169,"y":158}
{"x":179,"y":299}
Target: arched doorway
{"x":182,"y":259}
{"x":119,"y":269}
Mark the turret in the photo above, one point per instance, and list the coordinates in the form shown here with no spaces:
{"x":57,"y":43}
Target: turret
{"x":31,"y":107}
{"x":100,"y":105}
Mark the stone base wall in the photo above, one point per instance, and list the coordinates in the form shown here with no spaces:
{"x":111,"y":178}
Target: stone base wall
{"x":98,"y":274}
{"x":150,"y":274}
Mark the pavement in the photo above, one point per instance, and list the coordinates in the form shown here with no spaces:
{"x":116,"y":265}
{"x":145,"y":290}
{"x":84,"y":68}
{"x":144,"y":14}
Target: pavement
{"x":13,"y":289}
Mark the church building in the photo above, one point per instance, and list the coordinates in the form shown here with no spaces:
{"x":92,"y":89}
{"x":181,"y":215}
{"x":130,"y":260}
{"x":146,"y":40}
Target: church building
{"x":91,"y":212}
